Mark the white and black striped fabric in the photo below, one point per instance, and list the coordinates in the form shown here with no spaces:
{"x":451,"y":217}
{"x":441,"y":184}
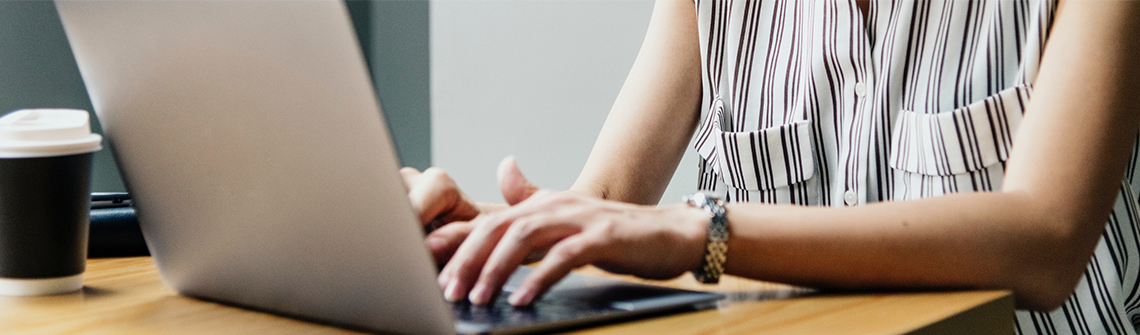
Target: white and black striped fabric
{"x":814,"y":104}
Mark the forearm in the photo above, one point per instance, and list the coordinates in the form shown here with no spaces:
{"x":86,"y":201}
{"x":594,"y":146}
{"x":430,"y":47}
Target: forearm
{"x":978,"y":240}
{"x":1035,"y":236}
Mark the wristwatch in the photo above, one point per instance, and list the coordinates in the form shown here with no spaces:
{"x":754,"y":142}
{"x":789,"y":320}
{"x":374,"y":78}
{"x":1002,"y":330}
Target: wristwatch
{"x":716,"y":244}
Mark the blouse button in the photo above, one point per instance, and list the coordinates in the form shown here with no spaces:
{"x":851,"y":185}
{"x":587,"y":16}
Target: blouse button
{"x":850,"y":198}
{"x":860,"y":89}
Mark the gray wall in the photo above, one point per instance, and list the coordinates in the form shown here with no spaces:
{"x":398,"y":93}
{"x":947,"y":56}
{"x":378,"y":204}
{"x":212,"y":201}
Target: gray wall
{"x":394,"y":35}
{"x":534,"y":79}
{"x":37,"y":70}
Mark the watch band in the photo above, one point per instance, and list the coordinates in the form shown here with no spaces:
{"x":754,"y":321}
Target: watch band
{"x":716,"y":244}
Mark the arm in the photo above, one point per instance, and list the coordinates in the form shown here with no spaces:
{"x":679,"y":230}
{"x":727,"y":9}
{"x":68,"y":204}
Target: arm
{"x":1084,"y":105}
{"x":1035,"y":236}
{"x":655,"y":113}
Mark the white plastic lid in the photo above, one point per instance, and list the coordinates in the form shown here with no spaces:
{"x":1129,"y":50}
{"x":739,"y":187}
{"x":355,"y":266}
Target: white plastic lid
{"x":30,"y":133}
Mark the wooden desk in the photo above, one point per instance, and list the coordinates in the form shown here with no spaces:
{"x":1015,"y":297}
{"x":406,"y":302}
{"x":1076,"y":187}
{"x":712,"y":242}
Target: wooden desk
{"x":124,"y":296}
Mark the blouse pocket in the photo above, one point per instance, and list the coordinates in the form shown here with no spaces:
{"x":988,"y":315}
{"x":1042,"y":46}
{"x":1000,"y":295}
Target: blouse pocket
{"x":766,"y":159}
{"x":771,"y":165}
{"x":957,"y":151}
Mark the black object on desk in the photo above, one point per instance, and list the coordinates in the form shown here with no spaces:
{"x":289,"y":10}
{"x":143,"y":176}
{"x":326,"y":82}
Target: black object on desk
{"x":114,"y":228}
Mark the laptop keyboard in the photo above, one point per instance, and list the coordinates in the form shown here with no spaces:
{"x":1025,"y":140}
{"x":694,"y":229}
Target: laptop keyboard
{"x":545,"y":310}
{"x":573,"y":302}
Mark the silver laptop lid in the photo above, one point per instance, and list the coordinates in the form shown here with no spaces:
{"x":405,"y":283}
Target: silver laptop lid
{"x":262,"y":170}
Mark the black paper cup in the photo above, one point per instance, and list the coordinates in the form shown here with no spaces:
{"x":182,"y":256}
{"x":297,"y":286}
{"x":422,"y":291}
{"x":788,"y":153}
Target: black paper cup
{"x":45,"y":178}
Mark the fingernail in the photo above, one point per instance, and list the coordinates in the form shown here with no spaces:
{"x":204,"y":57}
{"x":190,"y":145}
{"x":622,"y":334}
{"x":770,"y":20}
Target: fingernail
{"x":480,"y":295}
{"x":452,"y":293}
{"x":521,"y":297}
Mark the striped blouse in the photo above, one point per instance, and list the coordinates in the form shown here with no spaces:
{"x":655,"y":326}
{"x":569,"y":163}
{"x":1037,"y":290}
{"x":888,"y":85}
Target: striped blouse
{"x":813,"y":104}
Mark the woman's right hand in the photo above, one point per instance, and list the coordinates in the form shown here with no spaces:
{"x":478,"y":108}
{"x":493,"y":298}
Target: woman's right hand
{"x":446,"y":211}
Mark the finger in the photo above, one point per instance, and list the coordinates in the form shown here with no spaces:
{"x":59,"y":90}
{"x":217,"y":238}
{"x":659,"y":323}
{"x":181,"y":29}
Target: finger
{"x":514,"y":186}
{"x":410,"y":174}
{"x":569,"y":254}
{"x":465,"y":209}
{"x":463,"y":269}
{"x":435,"y":195}
{"x":460,"y":272}
{"x":444,"y":241}
{"x":523,"y":237}
{"x":417,"y":199}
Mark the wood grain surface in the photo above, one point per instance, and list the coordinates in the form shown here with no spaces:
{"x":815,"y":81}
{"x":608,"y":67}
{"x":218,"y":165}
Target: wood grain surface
{"x":125,"y":296}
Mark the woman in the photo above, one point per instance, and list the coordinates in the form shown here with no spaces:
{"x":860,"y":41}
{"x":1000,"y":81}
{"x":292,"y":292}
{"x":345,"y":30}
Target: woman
{"x":894,"y":120}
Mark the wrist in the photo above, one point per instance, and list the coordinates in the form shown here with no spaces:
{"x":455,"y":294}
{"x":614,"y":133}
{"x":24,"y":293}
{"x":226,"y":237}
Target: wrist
{"x":692,"y":228}
{"x":590,"y":190}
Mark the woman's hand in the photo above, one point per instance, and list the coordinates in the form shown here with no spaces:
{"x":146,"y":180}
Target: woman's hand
{"x":445,"y":210}
{"x":645,"y":241}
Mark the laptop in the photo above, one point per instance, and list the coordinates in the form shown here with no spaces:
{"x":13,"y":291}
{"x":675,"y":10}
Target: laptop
{"x":264,"y":176}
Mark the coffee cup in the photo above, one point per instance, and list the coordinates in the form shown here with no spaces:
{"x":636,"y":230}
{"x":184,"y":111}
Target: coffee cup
{"x":45,"y":181}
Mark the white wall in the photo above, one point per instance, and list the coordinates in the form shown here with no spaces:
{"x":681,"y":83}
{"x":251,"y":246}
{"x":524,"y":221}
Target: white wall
{"x":534,"y":79}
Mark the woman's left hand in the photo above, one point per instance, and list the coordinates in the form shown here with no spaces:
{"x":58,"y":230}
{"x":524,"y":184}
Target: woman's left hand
{"x":645,"y":241}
